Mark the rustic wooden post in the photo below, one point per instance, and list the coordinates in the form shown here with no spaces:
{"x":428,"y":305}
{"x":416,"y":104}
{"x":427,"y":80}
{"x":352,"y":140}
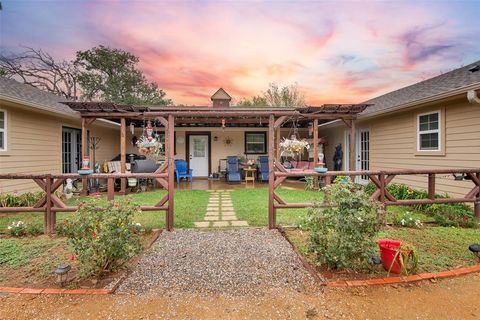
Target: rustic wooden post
{"x":353,"y":146}
{"x":431,"y":186}
{"x":383,"y":186}
{"x":170,"y":154}
{"x":123,"y":153}
{"x":277,"y":143}
{"x":476,"y":204}
{"x":110,"y":188}
{"x":315,"y":150}
{"x":271,"y":172}
{"x":47,"y":226}
{"x":84,"y":153}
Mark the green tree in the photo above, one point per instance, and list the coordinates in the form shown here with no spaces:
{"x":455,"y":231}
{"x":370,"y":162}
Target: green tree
{"x":252,"y":102}
{"x":276,"y":96}
{"x":111,"y":74}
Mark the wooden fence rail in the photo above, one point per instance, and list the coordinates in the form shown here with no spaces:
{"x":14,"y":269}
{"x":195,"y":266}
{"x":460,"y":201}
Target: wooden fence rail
{"x":50,"y":203}
{"x":380,"y":179}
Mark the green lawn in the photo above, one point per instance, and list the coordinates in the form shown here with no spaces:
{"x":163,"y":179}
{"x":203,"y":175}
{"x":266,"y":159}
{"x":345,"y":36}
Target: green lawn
{"x":252,"y":205}
{"x":439,"y":248}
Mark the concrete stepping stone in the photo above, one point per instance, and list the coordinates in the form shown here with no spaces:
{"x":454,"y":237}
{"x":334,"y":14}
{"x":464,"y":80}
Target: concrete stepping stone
{"x":221,"y":224}
{"x":202,"y":224}
{"x":229,"y":218}
{"x":239,"y":223}
{"x":211,"y":218}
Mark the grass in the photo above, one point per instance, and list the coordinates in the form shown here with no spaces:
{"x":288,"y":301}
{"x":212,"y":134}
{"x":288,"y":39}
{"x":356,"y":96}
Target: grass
{"x":439,"y":248}
{"x":252,"y":205}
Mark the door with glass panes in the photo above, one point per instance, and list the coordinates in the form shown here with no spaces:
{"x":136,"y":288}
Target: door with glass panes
{"x":71,"y":149}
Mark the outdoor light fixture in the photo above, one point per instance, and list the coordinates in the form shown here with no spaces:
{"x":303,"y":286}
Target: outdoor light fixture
{"x":475,"y":248}
{"x":215,"y":138}
{"x":375,"y":260}
{"x":223,"y":124}
{"x":62,"y":273}
{"x":310,"y":129}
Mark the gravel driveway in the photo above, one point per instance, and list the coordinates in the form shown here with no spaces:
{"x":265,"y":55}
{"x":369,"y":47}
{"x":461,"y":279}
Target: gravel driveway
{"x":230,"y":262}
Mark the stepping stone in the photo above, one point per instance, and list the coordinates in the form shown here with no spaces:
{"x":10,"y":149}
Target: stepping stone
{"x":202,"y":224}
{"x":227,"y":207}
{"x":221,"y":224}
{"x":227,"y":204}
{"x":239,"y":223}
{"x":211,"y":218}
{"x":229,"y":218}
{"x":210,"y":214}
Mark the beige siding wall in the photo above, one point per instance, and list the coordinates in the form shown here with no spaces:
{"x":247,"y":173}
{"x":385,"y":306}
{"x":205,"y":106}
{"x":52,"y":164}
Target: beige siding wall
{"x":393,"y":144}
{"x":34,"y":145}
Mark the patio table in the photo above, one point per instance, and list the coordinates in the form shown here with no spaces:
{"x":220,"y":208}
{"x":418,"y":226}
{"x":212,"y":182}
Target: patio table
{"x":250,"y":174}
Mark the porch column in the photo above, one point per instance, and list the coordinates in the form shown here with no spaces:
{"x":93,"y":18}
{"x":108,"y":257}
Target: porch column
{"x":170,"y":158}
{"x":315,"y":149}
{"x":123,"y":153}
{"x":271,"y":172}
{"x":84,"y":153}
{"x":353,"y":145}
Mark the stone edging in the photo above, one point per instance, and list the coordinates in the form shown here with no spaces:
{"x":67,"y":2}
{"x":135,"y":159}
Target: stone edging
{"x":54,"y":291}
{"x":404,"y":279}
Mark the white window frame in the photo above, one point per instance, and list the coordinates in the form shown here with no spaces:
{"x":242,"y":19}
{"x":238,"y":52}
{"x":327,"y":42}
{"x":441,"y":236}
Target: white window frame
{"x":437,"y":131}
{"x":4,"y":130}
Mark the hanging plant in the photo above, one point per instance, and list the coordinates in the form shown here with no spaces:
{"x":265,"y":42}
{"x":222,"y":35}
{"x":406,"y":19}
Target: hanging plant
{"x":294,"y":146}
{"x":149,"y":147}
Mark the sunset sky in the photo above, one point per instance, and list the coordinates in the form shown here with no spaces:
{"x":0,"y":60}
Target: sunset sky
{"x":337,"y":52}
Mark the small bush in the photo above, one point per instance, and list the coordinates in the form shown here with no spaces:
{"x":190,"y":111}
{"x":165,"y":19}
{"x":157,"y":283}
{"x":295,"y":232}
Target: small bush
{"x":406,"y":219}
{"x":26,"y":199}
{"x":17,"y":229}
{"x":343,"y":236}
{"x":452,"y":215}
{"x":33,"y":229}
{"x":103,"y":237}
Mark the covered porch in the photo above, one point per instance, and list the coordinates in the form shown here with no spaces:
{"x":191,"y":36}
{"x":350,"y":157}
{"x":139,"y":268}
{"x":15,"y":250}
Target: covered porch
{"x":172,"y":120}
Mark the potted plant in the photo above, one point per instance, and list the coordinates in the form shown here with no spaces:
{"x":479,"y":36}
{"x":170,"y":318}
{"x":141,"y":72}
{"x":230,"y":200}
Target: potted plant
{"x":68,"y":192}
{"x":294,"y":146}
{"x":398,"y":257}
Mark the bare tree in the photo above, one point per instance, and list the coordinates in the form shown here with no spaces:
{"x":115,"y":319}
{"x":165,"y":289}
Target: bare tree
{"x":39,"y":69}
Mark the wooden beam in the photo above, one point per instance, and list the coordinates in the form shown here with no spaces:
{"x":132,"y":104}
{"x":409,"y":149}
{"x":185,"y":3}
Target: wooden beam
{"x":277,"y":145}
{"x":89,"y":121}
{"x":279,"y":121}
{"x":353,"y":146}
{"x":123,"y":153}
{"x":271,"y":173}
{"x":315,"y":150}
{"x":171,"y":170}
{"x":84,"y":153}
{"x":47,"y":226}
{"x":431,"y":186}
{"x":110,"y":189}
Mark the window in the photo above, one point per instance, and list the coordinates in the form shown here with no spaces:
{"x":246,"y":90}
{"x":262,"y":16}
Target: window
{"x":429,"y":132}
{"x":3,"y":130}
{"x":255,"y":142}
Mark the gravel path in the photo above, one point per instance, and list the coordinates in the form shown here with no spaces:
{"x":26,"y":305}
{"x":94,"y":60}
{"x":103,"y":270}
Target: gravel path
{"x":230,"y":262}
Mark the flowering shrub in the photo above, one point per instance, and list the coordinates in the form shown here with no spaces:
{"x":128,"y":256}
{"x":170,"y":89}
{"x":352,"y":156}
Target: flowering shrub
{"x":343,"y":235}
{"x":102,"y":236}
{"x":17,"y":229}
{"x":406,"y":219}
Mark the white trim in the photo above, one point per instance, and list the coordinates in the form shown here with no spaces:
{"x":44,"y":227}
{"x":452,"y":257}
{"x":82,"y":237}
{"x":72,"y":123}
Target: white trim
{"x":4,"y":130}
{"x":437,"y":131}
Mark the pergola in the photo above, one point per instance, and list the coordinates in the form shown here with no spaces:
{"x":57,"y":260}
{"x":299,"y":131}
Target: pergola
{"x":171,"y":116}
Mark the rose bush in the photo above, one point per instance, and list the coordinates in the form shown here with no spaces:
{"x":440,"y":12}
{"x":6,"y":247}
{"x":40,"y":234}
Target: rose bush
{"x":343,"y":235}
{"x":103,"y":237}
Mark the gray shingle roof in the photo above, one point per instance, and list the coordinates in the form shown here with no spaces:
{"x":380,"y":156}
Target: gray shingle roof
{"x":444,"y":83}
{"x":33,"y":97}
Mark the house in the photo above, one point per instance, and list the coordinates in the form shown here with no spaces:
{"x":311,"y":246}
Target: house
{"x":40,"y":135}
{"x":430,"y":124}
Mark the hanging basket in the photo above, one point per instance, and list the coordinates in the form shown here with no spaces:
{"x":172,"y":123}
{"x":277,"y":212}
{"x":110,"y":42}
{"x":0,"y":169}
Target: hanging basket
{"x":294,"y":146}
{"x":149,"y":147}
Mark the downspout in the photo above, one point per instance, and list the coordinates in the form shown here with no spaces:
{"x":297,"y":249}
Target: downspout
{"x":473,"y":97}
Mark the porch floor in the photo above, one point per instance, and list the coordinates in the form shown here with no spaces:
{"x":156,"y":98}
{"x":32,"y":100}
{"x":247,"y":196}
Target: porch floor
{"x":205,"y":184}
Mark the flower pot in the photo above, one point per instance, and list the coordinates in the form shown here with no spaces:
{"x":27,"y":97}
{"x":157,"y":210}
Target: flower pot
{"x":389,"y":256}
{"x":68,"y":195}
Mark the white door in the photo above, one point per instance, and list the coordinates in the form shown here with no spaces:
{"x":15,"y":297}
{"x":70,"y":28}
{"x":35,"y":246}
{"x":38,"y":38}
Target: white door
{"x":199,"y":155}
{"x":363,"y":153}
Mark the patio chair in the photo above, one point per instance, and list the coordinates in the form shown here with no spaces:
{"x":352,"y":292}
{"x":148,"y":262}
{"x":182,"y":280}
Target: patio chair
{"x":181,"y":171}
{"x":233,"y":172}
{"x":263,"y":168}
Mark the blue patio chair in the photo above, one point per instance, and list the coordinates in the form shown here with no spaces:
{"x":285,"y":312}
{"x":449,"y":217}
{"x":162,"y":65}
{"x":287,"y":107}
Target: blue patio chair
{"x":263,"y":168}
{"x":233,"y":172}
{"x":181,"y":171}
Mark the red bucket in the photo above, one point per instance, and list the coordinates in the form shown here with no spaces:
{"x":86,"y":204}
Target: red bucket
{"x":388,"y":250}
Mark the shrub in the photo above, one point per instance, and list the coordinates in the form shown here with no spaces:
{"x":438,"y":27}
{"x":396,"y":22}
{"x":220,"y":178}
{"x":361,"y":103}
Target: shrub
{"x":17,"y":229}
{"x":452,"y":215}
{"x":26,"y":199}
{"x":343,"y":236}
{"x":102,"y":236}
{"x":406,"y":219}
{"x":33,"y":229}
